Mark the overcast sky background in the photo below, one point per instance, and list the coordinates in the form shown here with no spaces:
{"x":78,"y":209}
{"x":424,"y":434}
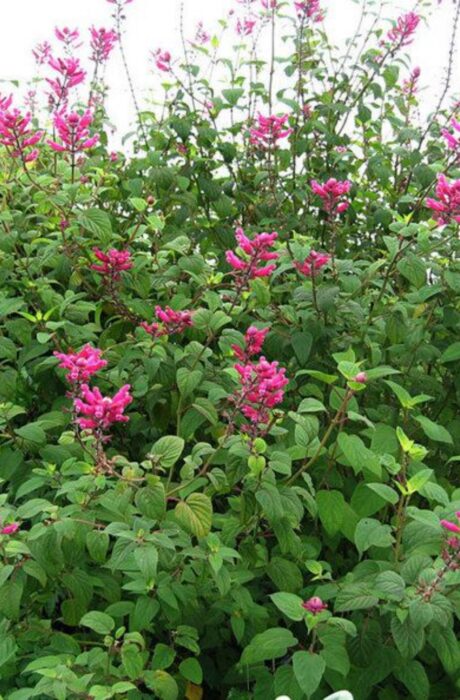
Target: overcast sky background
{"x":154,"y":23}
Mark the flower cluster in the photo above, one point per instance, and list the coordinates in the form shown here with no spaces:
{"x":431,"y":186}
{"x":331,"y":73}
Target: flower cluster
{"x":73,"y":132}
{"x":257,"y":252}
{"x":314,"y":605}
{"x":332,"y":193}
{"x":262,"y":388}
{"x":410,"y":85}
{"x":16,"y":133}
{"x":81,"y":365}
{"x":269,"y":4}
{"x":453,"y":141}
{"x":452,"y":527}
{"x":201,"y":35}
{"x":269,"y":130}
{"x":310,"y":9}
{"x":447,"y":206}
{"x":170,"y":322}
{"x":10,"y":529}
{"x":112,"y":263}
{"x":253,"y":342}
{"x":99,"y":412}
{"x":313,"y":263}
{"x":162,"y":60}
{"x":402,"y":33}
{"x":70,"y":73}
{"x":102,"y":44}
{"x":42,"y":53}
{"x":245,"y":26}
{"x":68,"y":37}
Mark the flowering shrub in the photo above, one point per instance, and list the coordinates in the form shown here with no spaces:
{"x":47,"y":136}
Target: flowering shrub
{"x":229,"y":458}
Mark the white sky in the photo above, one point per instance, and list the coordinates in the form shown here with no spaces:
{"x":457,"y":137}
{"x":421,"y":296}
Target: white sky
{"x":154,"y":23}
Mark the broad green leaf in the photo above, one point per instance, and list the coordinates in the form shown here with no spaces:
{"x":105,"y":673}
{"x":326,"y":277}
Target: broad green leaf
{"x":371,"y":533}
{"x":268,"y":645}
{"x":331,"y":509}
{"x":99,"y":622}
{"x":289,"y":604}
{"x":308,"y":670}
{"x":167,"y":450}
{"x":195,"y":514}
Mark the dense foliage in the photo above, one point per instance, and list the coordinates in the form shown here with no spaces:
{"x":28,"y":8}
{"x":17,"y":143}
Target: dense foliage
{"x":229,"y":457}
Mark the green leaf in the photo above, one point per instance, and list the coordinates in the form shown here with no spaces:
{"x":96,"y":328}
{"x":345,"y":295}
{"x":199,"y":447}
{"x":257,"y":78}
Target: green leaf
{"x":195,"y":514}
{"x":331,"y":510}
{"x":452,"y":354}
{"x":147,"y":560}
{"x":133,"y":661}
{"x":96,"y":222}
{"x":357,"y":596}
{"x":98,"y":622}
{"x":163,"y":685}
{"x":187,"y":380}
{"x":289,"y":604}
{"x":232,"y":95}
{"x":308,"y":670}
{"x":414,"y":677}
{"x":311,"y":406}
{"x":434,"y":431}
{"x":191,"y":670}
{"x":371,"y":533}
{"x":419,"y":480}
{"x":32,"y":432}
{"x":167,"y":450}
{"x":268,"y":645}
{"x":151,"y":501}
{"x":390,"y":585}
{"x":385,"y":492}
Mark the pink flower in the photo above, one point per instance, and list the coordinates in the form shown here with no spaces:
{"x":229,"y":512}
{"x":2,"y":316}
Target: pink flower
{"x":411,"y":84}
{"x":451,"y":527}
{"x":16,"y":134}
{"x":113,"y":157}
{"x":73,"y":132}
{"x":262,"y":388}
{"x":201,"y":36}
{"x":253,"y":340}
{"x":101,"y":412}
{"x":310,"y":9}
{"x":102,"y":44}
{"x":42,"y":53}
{"x":269,"y":130}
{"x":68,"y":37}
{"x":269,"y":4}
{"x":171,"y":322}
{"x":9,"y":529}
{"x":361,"y":378}
{"x":314,"y":605}
{"x":81,"y":365}
{"x":453,"y":141}
{"x":245,"y":27}
{"x":313,"y":263}
{"x":162,"y":60}
{"x":447,"y":206}
{"x":332,"y":192}
{"x":402,"y":33}
{"x":256,"y":252}
{"x":113,"y":263}
{"x":71,"y":74}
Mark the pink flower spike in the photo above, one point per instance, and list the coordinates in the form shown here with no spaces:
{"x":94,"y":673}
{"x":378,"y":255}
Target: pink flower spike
{"x":402,"y":33}
{"x":269,"y":130}
{"x":447,"y":206}
{"x":256,"y":251}
{"x":451,"y":527}
{"x":99,"y":412}
{"x":314,"y":605}
{"x":162,"y":60}
{"x":72,"y":129}
{"x":9,"y":529}
{"x":313,"y":263}
{"x":310,"y":9}
{"x":102,"y":44}
{"x":113,"y":263}
{"x":245,"y":27}
{"x":17,"y":135}
{"x":253,"y":340}
{"x":69,"y":37}
{"x":171,"y":322}
{"x":81,"y":365}
{"x":332,"y":193}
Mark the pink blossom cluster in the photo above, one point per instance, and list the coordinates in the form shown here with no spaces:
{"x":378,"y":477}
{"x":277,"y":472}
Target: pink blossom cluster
{"x":201,"y":35}
{"x":269,"y":4}
{"x":253,"y":343}
{"x":17,"y":134}
{"x":332,"y":193}
{"x":9,"y":529}
{"x":170,"y":322}
{"x":269,"y":130}
{"x":452,"y":527}
{"x":410,"y":85}
{"x":402,"y":34}
{"x":112,"y":263}
{"x":245,"y":26}
{"x":312,"y":264}
{"x":314,"y":605}
{"x":310,"y":9}
{"x":162,"y":60}
{"x":68,"y":37}
{"x":73,"y":132}
{"x":262,"y":389}
{"x":447,"y":206}
{"x":70,"y":74}
{"x":81,"y":365}
{"x":42,"y":53}
{"x":452,"y":140}
{"x":102,"y":44}
{"x":99,"y":412}
{"x":257,"y":252}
